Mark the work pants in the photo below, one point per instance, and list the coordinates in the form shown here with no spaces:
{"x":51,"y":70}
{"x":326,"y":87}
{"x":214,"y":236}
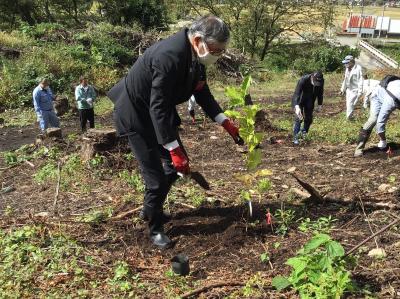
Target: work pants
{"x":48,"y":119}
{"x":307,"y":112}
{"x":351,"y":101}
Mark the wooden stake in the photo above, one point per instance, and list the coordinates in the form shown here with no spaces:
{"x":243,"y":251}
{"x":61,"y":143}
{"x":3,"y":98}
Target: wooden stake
{"x":57,"y":188}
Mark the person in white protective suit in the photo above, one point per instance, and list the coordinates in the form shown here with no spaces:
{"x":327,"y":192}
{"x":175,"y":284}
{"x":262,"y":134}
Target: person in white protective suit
{"x":352,"y":85}
{"x":369,"y":86}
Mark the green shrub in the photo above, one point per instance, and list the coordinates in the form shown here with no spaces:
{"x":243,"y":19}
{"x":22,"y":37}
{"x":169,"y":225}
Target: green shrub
{"x":319,"y":270}
{"x":308,"y":57}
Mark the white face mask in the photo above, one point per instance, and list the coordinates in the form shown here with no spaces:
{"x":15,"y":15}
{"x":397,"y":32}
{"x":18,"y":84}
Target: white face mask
{"x":207,"y":58}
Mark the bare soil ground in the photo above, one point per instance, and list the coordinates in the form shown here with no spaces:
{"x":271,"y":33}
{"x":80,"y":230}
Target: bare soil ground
{"x":222,"y":242}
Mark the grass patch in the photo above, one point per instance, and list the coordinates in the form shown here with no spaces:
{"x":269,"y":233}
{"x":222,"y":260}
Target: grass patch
{"x":103,"y":106}
{"x":13,"y":40}
{"x":18,"y":117}
{"x":37,"y":263}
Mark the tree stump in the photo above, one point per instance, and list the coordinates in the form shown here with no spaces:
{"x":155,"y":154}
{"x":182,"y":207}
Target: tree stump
{"x":97,"y":141}
{"x":61,"y":105}
{"x":54,"y":132}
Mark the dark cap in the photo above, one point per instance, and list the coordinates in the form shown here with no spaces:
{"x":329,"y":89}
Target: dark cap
{"x":318,"y":78}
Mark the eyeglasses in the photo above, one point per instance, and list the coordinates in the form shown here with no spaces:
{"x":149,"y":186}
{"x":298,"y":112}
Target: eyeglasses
{"x":216,"y":52}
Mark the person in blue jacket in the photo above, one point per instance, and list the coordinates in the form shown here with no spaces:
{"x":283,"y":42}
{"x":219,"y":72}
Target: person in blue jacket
{"x":43,"y":103}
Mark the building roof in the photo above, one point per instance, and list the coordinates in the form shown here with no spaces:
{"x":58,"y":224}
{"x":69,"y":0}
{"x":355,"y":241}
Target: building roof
{"x":363,"y":22}
{"x":382,"y":23}
{"x":394,"y":26}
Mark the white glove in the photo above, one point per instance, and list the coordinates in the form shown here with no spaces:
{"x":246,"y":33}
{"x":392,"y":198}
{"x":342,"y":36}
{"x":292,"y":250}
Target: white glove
{"x":90,"y":101}
{"x":319,"y":108}
{"x":297,"y":111}
{"x":382,"y":144}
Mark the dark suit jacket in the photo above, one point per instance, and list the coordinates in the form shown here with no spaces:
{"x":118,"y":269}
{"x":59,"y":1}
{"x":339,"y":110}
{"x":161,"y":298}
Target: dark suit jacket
{"x":164,"y":76}
{"x":306,"y":93}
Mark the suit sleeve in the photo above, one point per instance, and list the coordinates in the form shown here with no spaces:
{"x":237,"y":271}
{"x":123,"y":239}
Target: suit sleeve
{"x":320,"y":95}
{"x":297,"y":92}
{"x":161,"y":105}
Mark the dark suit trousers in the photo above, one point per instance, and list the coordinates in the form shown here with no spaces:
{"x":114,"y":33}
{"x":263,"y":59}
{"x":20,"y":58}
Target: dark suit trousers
{"x":86,"y":115}
{"x":158,"y":174}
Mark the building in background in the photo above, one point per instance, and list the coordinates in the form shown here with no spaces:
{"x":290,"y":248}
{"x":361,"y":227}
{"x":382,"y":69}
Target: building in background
{"x":371,"y":26}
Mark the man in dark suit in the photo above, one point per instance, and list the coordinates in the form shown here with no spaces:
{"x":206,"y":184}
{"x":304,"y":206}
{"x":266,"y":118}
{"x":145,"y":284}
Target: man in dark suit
{"x":167,"y":74}
{"x":308,"y":88}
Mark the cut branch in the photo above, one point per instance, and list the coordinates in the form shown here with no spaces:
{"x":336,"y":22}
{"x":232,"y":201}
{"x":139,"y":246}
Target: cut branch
{"x":212,"y":286}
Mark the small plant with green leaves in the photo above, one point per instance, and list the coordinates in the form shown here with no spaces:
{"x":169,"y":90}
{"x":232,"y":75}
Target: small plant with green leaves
{"x":321,"y":225}
{"x":10,"y":158}
{"x":264,"y":185}
{"x":284,"y":218}
{"x":253,"y":287}
{"x":47,"y":173}
{"x":196,"y":196}
{"x":256,"y":185}
{"x":247,"y":120}
{"x":24,"y":153}
{"x":319,"y":270}
{"x":246,"y":116}
{"x":237,"y":95}
{"x":121,"y":279}
{"x":72,"y":137}
{"x":265,"y":257}
{"x":97,"y":216}
{"x":133,"y":180}
{"x":391,"y":178}
{"x":97,"y":161}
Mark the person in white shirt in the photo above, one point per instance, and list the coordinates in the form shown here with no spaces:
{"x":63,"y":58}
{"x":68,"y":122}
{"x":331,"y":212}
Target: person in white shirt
{"x":383,"y":102}
{"x":352,"y":85}
{"x":369,"y":86}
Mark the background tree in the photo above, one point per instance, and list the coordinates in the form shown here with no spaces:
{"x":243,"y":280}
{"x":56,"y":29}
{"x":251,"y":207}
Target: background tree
{"x":260,"y":25}
{"x":148,"y":13}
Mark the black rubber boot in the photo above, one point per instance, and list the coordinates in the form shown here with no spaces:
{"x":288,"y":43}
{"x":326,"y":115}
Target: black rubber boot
{"x":161,"y":240}
{"x":362,"y":141}
{"x":165,"y":217}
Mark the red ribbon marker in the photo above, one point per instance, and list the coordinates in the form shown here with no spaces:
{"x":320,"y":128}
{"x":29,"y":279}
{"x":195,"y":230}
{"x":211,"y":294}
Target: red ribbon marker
{"x":269,"y":218}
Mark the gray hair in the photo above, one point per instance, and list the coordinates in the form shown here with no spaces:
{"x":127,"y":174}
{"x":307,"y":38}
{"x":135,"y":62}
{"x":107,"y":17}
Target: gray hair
{"x":211,"y":28}
{"x":43,"y":80}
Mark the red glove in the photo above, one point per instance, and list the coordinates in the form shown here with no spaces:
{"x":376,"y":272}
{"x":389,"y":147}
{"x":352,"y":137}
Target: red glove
{"x":180,"y":161}
{"x":230,"y":127}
